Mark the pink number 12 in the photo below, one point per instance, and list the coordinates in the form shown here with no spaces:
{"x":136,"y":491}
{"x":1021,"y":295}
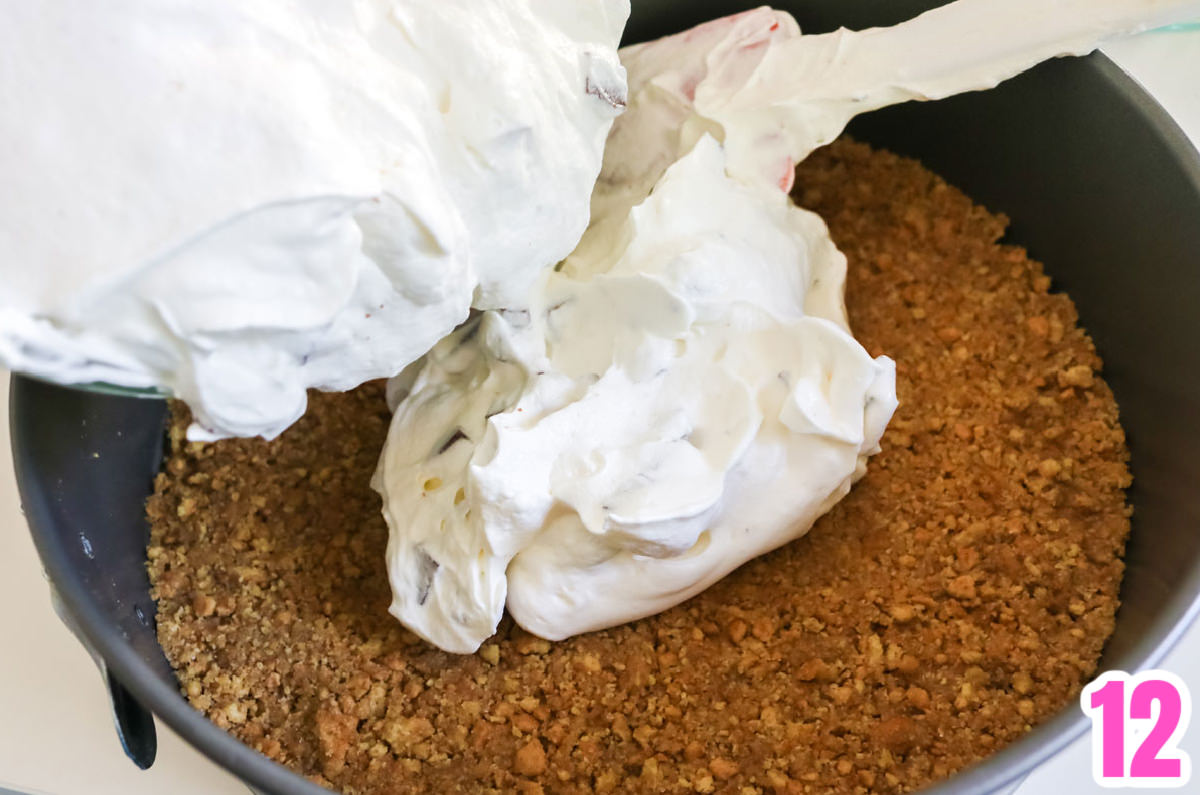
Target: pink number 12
{"x":1121,"y":707}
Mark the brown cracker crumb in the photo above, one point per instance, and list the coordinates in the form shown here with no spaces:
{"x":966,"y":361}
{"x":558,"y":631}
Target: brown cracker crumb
{"x":531,"y":759}
{"x":893,"y":645}
{"x":723,"y":769}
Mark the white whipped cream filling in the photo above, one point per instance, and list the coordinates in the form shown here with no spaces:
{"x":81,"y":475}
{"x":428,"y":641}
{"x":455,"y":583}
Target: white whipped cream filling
{"x":772,"y":96}
{"x":683,"y":393}
{"x":237,"y":201}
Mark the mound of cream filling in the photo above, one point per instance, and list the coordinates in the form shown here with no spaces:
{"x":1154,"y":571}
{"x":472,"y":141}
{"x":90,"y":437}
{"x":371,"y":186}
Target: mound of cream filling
{"x":683,"y":392}
{"x":236,"y":201}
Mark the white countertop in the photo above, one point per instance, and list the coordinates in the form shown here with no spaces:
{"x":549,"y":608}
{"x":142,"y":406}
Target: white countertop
{"x":56,"y":735}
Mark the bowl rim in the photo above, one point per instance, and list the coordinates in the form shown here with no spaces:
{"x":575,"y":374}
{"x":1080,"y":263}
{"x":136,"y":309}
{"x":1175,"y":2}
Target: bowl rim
{"x":1004,"y":768}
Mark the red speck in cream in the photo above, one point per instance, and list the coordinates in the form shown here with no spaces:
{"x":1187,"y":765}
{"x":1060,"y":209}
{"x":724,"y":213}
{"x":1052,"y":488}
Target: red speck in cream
{"x":689,"y":88}
{"x":788,"y":178}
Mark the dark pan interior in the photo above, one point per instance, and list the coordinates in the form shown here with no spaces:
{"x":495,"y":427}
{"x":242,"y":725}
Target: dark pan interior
{"x":1099,"y":184}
